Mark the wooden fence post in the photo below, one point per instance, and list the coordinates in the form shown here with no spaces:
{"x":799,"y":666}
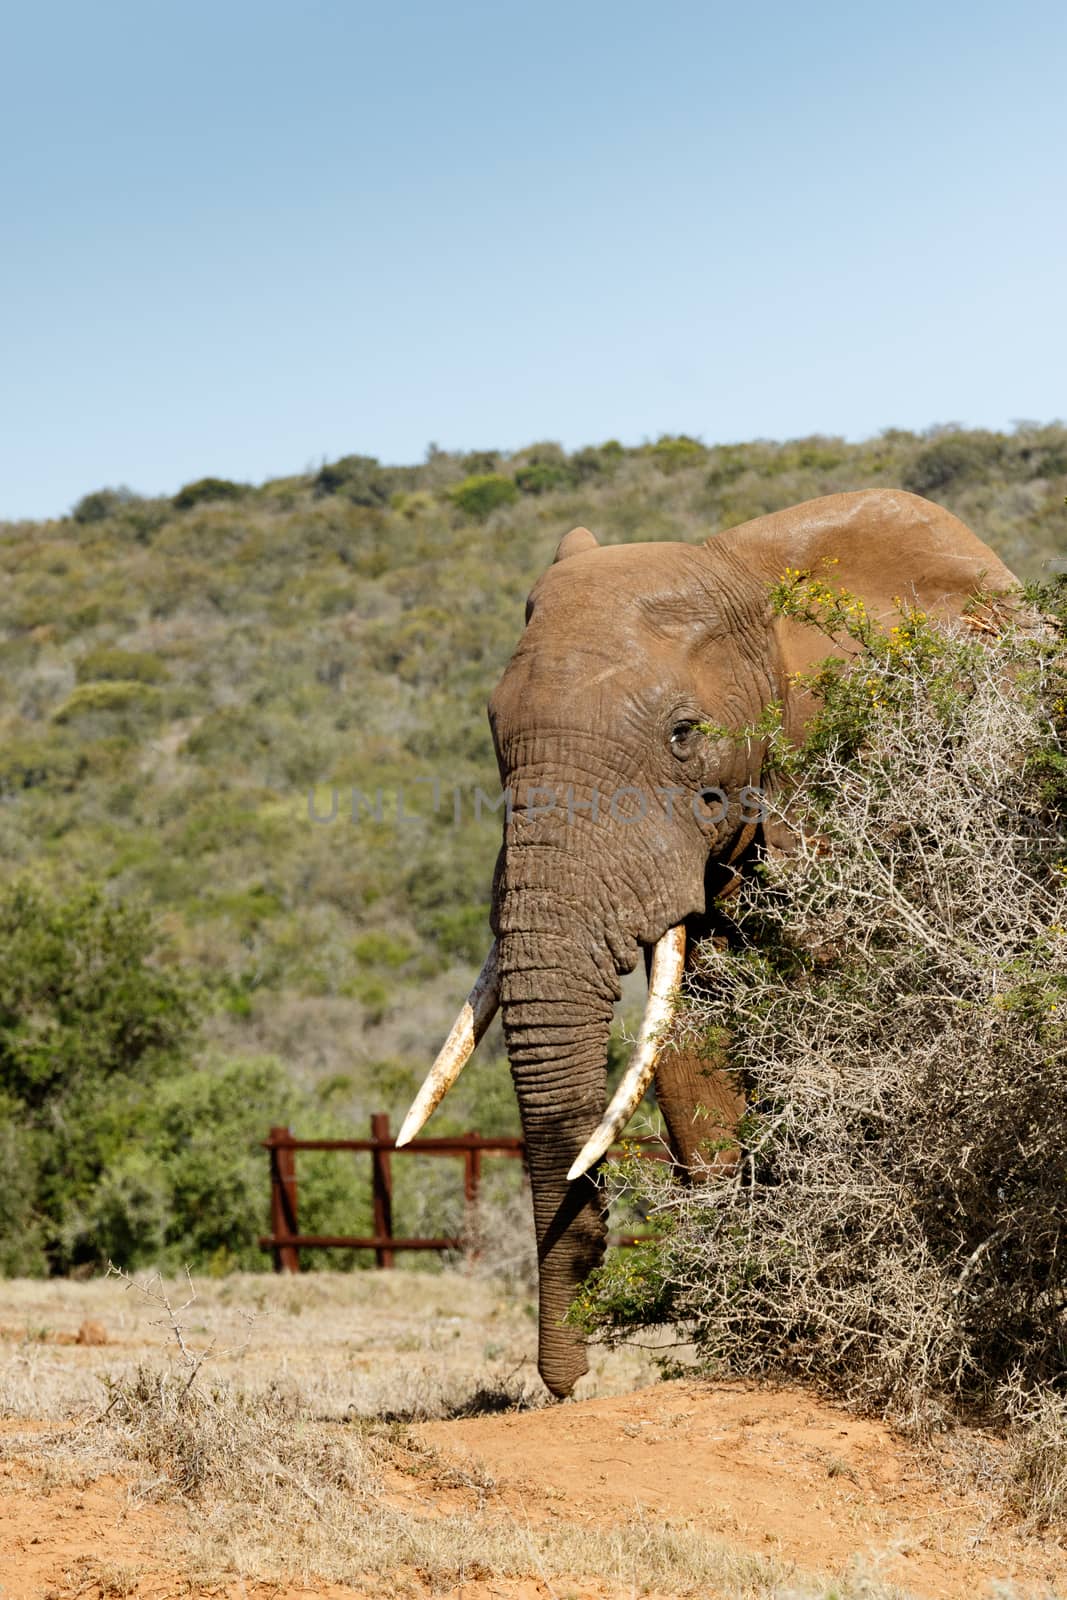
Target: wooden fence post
{"x":382,"y":1188}
{"x":472,"y":1180}
{"x":472,"y":1175}
{"x":283,"y":1214}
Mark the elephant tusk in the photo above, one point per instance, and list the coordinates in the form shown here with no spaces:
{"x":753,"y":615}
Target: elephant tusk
{"x":665,"y":979}
{"x":478,"y":1012}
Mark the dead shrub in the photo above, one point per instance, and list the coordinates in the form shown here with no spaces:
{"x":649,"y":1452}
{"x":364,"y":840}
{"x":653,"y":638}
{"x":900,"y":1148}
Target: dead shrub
{"x":221,"y":1441}
{"x":1037,"y":1453}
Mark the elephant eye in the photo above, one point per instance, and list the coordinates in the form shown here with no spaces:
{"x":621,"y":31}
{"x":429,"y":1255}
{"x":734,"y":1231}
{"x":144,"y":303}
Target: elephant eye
{"x":682,"y":735}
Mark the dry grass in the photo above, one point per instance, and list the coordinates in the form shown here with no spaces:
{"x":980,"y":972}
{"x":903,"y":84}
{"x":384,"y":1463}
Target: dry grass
{"x":1037,"y":1460}
{"x":251,"y":1411}
{"x":361,"y":1344}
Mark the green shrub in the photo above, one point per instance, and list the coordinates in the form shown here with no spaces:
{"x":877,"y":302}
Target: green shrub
{"x":414,"y":505}
{"x":204,"y":1146}
{"x":479,"y":496}
{"x":730,"y":462}
{"x":595,"y":461}
{"x":247,"y":909}
{"x":671,"y":452}
{"x":417,"y":648}
{"x":87,"y":1024}
{"x":544,"y":468}
{"x":102,"y":504}
{"x":52,"y":762}
{"x":461,"y":933}
{"x":22,"y":1233}
{"x":209,"y":490}
{"x":817,"y":454}
{"x":952,"y":457}
{"x":479,"y":463}
{"x":1037,"y":452}
{"x":233,"y":734}
{"x":363,"y":480}
{"x":83,"y":1001}
{"x":130,"y":666}
{"x":381,"y":949}
{"x":373,"y":994}
{"x":193,"y":1187}
{"x":115,"y":1142}
{"x":543,"y":477}
{"x":142,"y":519}
{"x":111,"y":697}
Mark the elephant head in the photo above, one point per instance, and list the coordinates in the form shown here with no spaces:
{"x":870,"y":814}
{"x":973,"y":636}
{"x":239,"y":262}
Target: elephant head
{"x":624,"y":815}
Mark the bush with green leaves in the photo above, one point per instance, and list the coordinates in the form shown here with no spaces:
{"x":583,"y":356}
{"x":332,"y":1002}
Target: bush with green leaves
{"x":35,"y":761}
{"x":363,"y":480}
{"x":124,"y":705}
{"x":544,"y":477}
{"x":594,"y":462}
{"x":89,"y":1023}
{"x":100,"y":504}
{"x":894,"y":1003}
{"x":192,"y":1187}
{"x":475,"y":463}
{"x":117,"y":1140}
{"x":483,"y":493}
{"x":950,"y":455}
{"x":671,"y":452}
{"x":206,"y":490}
{"x":109,"y":663}
{"x":544,"y":468}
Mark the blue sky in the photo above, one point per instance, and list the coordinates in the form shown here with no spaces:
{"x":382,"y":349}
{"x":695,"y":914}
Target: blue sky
{"x":237,"y":237}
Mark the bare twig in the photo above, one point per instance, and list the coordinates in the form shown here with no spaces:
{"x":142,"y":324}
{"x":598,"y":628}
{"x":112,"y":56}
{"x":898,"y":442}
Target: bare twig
{"x":153,"y":1290}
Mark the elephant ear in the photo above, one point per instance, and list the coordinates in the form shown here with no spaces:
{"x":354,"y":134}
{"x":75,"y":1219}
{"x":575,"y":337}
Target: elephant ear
{"x":574,"y":543}
{"x":883,"y":545}
{"x":886,"y":547}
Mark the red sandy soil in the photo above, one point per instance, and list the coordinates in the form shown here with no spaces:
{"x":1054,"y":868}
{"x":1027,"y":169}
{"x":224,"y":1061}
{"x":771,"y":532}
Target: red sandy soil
{"x":774,"y":1472}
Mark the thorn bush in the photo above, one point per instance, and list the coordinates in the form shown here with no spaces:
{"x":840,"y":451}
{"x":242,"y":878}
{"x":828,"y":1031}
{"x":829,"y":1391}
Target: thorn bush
{"x":895,"y":1002}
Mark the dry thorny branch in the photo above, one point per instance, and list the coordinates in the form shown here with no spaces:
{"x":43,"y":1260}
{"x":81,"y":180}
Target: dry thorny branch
{"x":151,"y":1287}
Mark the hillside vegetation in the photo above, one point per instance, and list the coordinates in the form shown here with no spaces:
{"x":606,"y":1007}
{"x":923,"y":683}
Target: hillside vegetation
{"x":180,"y":673}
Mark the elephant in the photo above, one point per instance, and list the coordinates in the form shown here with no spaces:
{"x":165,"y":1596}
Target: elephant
{"x":606,"y":724}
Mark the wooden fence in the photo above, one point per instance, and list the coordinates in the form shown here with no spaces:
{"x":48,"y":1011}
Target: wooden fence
{"x":285,"y":1239}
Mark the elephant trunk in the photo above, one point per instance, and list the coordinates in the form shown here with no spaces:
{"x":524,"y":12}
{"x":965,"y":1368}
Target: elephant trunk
{"x":556,"y":1003}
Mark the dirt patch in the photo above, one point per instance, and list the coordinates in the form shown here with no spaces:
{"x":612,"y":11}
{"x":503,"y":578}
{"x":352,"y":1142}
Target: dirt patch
{"x":97,"y":1542}
{"x":774,"y":1473}
{"x":89,"y":1333}
{"x":65,"y":1539}
{"x":770,"y":1471}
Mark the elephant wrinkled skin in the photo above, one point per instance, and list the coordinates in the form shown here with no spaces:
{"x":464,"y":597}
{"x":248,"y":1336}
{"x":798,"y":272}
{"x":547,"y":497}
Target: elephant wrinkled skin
{"x":606,"y":853}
